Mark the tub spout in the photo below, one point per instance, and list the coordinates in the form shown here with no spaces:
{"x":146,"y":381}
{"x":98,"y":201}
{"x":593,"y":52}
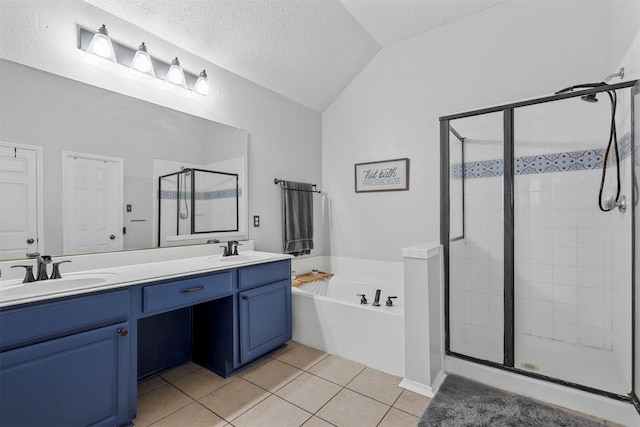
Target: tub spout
{"x":376,"y":301}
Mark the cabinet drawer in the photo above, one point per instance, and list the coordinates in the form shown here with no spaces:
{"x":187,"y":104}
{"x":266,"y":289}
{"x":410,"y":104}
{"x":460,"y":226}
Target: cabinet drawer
{"x":261,"y":274}
{"x":181,"y":293}
{"x":33,"y":323}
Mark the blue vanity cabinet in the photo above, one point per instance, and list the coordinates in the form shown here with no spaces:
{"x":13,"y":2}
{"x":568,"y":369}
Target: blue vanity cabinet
{"x":63,"y":370}
{"x":265,"y":308}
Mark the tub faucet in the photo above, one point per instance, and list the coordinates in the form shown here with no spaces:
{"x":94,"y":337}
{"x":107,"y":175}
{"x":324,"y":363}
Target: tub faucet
{"x":363,"y":300}
{"x":376,"y":301}
{"x":390,"y":302}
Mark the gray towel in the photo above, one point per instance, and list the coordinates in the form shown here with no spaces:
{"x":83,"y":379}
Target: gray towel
{"x":297,"y":216}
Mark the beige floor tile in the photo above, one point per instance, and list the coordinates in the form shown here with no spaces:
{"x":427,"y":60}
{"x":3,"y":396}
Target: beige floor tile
{"x":193,"y":415}
{"x":272,"y":375}
{"x":377,"y":385}
{"x":413,"y":403}
{"x":180,"y":371}
{"x":309,"y":392}
{"x":289,"y":346}
{"x":316,"y":422}
{"x":349,"y":408}
{"x":234,"y":398}
{"x":201,"y":382}
{"x":149,"y":385}
{"x":336,"y":369}
{"x":272,"y":411}
{"x":159,"y":403}
{"x":397,"y":418}
{"x":255,"y":365}
{"x":302,"y":357}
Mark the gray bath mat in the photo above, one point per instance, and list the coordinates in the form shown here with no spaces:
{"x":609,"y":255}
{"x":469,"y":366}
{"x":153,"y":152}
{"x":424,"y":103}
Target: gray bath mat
{"x":461,"y":402}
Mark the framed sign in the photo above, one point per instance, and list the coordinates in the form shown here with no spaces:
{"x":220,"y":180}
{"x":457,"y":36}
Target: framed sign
{"x":388,"y":175}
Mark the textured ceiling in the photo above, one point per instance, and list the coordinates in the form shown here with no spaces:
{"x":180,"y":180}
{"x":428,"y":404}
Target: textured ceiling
{"x":306,"y":50}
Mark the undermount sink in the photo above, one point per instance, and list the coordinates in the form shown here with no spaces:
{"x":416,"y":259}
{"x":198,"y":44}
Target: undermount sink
{"x":68,"y":282}
{"x":84,"y":279}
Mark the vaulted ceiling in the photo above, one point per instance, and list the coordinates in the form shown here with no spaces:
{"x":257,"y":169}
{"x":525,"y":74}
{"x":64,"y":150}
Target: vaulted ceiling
{"x":306,"y":50}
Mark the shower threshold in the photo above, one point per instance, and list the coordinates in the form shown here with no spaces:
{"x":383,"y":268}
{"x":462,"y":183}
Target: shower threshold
{"x":592,"y":367}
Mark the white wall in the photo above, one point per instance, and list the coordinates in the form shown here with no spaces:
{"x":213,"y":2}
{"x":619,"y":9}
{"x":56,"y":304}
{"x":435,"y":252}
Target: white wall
{"x":517,"y":50}
{"x":284,"y":137}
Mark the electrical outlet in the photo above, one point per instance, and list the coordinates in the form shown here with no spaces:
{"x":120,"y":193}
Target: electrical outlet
{"x":256,"y":220}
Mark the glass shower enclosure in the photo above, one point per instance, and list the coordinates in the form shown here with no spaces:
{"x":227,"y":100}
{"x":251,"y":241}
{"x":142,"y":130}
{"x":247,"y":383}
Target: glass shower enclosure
{"x":197,"y":201}
{"x":538,"y":202}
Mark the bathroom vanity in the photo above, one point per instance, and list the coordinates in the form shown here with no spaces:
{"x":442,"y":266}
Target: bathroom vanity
{"x":73,"y":357}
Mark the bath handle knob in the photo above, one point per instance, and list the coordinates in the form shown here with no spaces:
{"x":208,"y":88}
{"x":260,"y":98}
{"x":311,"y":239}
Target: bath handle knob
{"x":245,"y":297}
{"x":389,"y":302}
{"x":363,"y":300}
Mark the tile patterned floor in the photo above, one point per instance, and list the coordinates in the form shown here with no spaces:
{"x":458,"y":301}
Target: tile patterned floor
{"x":296,"y":386}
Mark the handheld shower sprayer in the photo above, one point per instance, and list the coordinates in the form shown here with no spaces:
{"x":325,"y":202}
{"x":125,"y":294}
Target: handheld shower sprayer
{"x":614,"y":201}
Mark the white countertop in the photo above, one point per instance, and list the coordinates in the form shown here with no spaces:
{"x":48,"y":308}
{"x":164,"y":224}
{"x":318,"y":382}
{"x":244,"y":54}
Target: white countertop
{"x":77,"y":283}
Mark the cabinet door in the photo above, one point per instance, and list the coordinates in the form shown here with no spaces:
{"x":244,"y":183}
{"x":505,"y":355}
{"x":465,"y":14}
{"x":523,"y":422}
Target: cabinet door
{"x":78,"y":380}
{"x":265,"y":319}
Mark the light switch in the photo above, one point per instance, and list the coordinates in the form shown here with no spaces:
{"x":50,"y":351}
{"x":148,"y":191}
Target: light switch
{"x":128,"y":208}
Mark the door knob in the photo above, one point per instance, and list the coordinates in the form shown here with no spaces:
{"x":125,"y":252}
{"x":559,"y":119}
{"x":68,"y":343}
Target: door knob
{"x":112,"y":237}
{"x":123,"y":332}
{"x":30,"y":241}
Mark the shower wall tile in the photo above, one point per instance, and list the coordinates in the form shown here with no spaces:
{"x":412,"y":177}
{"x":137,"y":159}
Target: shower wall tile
{"x":566,"y":332}
{"x":565,"y":313}
{"x":591,"y":337}
{"x":565,"y":294}
{"x":542,"y":327}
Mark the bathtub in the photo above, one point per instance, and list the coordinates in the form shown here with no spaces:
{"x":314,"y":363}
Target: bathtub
{"x":327,"y":315}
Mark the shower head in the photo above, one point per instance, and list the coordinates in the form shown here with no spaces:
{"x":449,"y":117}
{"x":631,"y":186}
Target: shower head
{"x":589,"y":98}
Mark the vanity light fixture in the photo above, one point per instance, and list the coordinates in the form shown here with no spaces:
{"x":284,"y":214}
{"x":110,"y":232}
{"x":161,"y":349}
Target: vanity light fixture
{"x":142,"y":63}
{"x":175,"y":75}
{"x":202,"y":84}
{"x":101,"y":45}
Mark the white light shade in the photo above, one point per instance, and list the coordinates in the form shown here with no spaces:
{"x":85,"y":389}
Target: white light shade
{"x":101,"y":45}
{"x":175,"y":75}
{"x":142,"y":62}
{"x":202,"y":84}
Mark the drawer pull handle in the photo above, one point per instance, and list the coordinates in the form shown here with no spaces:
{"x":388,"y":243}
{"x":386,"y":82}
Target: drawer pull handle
{"x":245,"y":297}
{"x":194,"y":289}
{"x":123,"y":332}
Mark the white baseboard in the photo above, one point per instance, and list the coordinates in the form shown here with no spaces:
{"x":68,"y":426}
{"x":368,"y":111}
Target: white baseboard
{"x":423,"y":389}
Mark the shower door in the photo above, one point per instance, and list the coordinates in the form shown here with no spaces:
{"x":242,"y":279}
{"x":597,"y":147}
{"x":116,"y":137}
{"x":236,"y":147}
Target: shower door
{"x":636,"y":261}
{"x":538,"y":245}
{"x":476,"y":315}
{"x":572,"y":260}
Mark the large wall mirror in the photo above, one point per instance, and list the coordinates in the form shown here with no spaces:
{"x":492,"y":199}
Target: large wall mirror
{"x":80,"y":169}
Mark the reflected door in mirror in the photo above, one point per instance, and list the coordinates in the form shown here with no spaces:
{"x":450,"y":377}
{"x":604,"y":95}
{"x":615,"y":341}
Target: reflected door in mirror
{"x":92,"y":203}
{"x":18,"y":210}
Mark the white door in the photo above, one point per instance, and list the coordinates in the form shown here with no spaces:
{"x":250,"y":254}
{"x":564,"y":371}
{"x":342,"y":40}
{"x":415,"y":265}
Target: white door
{"x":18,"y":202}
{"x":92,"y":203}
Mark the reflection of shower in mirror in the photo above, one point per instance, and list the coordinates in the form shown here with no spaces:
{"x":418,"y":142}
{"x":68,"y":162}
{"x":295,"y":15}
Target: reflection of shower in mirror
{"x":182,"y":186}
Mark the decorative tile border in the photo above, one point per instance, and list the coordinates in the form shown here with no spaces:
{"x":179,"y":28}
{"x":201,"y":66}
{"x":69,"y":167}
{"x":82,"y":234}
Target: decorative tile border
{"x":543,"y":163}
{"x":201,"y":195}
